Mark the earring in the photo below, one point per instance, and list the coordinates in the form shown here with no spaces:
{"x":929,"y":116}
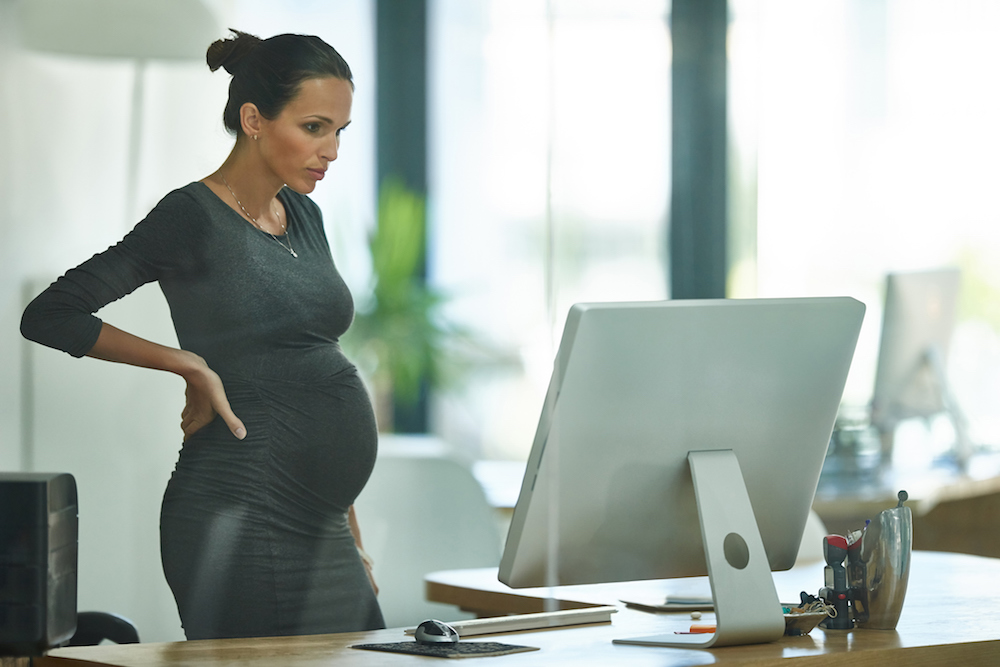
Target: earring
{"x":255,"y":137}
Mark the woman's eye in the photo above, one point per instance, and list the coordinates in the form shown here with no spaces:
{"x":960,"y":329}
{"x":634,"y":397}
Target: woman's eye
{"x":313,"y":127}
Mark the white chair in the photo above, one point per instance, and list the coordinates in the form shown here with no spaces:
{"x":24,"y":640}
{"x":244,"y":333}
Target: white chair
{"x":423,"y":511}
{"x":811,"y":547}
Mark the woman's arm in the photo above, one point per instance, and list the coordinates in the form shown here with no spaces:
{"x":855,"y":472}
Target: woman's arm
{"x":206,"y":397}
{"x":63,"y":315}
{"x":352,"y":520}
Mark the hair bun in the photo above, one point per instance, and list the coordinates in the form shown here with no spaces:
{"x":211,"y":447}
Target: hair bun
{"x":230,"y":52}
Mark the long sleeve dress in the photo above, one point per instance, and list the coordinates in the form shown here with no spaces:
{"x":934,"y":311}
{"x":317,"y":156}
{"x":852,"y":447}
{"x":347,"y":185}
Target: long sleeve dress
{"x":254,"y":535}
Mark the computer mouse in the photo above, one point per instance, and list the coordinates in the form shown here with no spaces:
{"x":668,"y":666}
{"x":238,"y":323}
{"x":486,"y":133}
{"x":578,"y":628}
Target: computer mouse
{"x":435,"y":632}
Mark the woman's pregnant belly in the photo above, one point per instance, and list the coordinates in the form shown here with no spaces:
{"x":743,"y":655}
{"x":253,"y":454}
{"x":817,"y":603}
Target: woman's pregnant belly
{"x":310,"y":447}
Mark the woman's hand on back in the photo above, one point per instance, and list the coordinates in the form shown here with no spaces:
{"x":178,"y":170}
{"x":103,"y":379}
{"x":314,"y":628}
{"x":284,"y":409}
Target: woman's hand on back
{"x":205,"y":399}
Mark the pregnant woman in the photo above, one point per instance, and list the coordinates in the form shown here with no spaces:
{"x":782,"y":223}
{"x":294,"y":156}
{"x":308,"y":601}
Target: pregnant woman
{"x":257,"y":529}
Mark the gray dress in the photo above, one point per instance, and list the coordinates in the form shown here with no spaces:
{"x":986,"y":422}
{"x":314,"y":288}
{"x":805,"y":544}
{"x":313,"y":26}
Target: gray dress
{"x":253,"y":534}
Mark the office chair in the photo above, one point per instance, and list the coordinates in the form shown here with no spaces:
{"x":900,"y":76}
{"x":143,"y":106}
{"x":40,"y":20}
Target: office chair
{"x":93,"y":627}
{"x":423,"y":511}
{"x":811,"y":548}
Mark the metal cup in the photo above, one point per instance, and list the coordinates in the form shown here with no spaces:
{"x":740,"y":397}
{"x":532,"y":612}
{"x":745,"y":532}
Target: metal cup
{"x":878,"y":573}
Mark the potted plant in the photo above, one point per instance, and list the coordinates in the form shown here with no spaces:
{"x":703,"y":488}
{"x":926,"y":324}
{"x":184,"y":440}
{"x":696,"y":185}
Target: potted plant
{"x":399,"y":337}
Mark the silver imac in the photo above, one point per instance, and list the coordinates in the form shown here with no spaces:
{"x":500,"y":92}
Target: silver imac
{"x":911,"y":377}
{"x":684,"y":438}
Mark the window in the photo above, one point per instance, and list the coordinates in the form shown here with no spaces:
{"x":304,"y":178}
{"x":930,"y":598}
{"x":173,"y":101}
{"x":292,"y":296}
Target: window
{"x":873,"y":138}
{"x":549,"y":186}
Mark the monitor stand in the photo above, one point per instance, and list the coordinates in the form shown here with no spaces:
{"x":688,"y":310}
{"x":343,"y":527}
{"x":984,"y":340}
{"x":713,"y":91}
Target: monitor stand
{"x":747,"y":610}
{"x":963,"y":445}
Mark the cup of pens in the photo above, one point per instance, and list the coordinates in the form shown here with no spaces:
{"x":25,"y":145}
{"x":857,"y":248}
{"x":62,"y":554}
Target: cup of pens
{"x":879,"y":569}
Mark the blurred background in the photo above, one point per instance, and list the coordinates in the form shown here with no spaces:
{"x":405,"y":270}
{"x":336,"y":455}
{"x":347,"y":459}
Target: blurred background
{"x":857,"y":138}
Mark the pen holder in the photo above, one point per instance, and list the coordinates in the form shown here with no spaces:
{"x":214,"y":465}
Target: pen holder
{"x":878,"y":572}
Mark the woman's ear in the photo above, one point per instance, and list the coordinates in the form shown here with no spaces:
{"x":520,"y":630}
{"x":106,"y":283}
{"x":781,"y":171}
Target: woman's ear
{"x":250,"y":120}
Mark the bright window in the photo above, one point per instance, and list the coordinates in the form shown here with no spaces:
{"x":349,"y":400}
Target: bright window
{"x":549,"y":181}
{"x":876,"y":141}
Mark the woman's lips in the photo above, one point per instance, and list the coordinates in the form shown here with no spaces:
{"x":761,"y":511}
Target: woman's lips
{"x":318,"y":174}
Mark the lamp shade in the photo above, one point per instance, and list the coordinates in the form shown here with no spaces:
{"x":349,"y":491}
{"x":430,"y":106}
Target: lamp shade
{"x":143,"y":29}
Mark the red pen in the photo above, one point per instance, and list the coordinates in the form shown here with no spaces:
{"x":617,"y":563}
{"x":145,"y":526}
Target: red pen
{"x":698,"y":629}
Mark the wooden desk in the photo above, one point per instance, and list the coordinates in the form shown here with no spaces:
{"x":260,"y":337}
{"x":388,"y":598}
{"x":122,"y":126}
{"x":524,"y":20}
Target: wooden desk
{"x":949,"y":618}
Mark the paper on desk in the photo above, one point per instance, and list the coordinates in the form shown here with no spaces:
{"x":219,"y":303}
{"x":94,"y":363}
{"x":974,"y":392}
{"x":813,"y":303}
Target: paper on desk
{"x":672,"y":603}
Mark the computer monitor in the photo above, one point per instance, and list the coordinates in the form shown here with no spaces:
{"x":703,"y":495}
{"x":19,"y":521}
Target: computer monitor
{"x":911,"y":379}
{"x":684,"y":438}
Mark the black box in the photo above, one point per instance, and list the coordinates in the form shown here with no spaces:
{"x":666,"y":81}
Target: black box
{"x":38,"y":561}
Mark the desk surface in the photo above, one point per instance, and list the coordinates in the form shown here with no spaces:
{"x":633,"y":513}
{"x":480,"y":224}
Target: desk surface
{"x":949,"y":618}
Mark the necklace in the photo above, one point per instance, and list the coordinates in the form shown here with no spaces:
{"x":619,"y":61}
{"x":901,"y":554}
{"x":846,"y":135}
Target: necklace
{"x":255,"y":224}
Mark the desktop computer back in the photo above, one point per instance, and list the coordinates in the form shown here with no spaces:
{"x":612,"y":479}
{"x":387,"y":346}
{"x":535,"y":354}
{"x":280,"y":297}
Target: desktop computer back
{"x":38,"y":561}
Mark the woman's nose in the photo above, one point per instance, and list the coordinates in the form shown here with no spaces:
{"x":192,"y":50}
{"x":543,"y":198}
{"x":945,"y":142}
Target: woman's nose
{"x":329,"y":151}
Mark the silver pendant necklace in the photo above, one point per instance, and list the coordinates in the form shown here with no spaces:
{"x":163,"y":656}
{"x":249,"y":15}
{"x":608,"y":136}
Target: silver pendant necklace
{"x":254,"y":221}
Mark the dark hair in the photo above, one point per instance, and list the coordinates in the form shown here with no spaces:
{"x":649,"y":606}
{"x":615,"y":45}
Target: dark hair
{"x":268,"y":72}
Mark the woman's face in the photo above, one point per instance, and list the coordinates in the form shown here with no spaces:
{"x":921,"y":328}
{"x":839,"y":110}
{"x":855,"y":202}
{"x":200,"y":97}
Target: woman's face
{"x":303,"y":140}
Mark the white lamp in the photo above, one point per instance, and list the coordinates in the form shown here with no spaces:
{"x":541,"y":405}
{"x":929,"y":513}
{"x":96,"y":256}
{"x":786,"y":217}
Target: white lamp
{"x":139,"y":30}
